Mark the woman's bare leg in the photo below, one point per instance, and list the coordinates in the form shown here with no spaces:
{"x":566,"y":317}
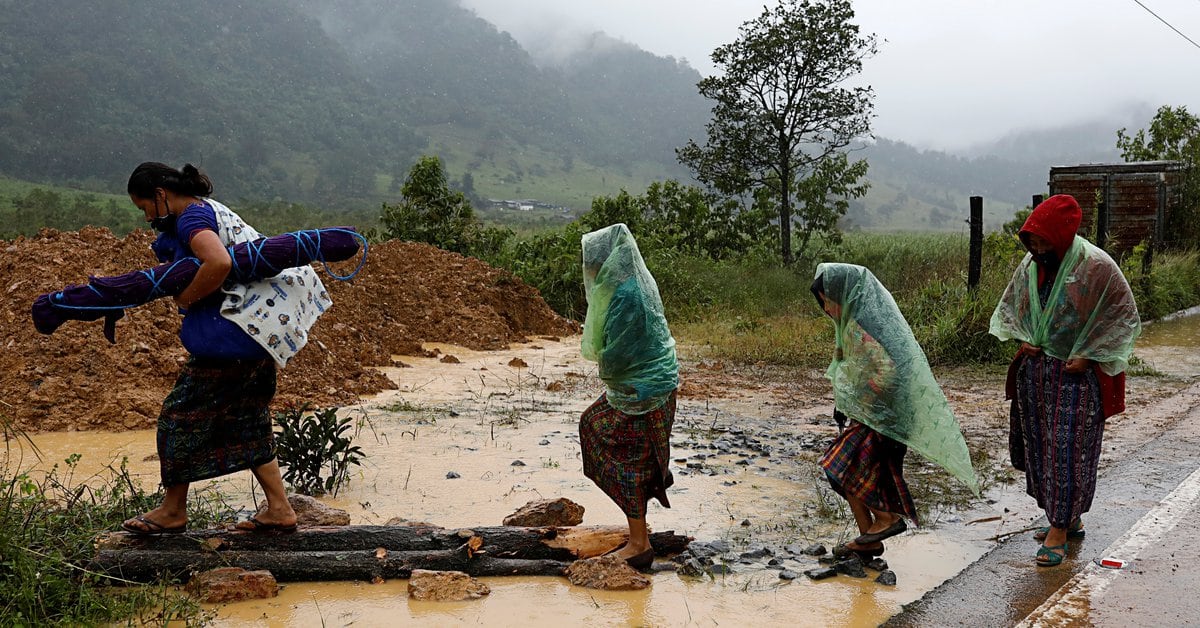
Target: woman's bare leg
{"x":883,"y":520}
{"x":279,"y":511}
{"x":863,"y":514}
{"x":639,"y":539}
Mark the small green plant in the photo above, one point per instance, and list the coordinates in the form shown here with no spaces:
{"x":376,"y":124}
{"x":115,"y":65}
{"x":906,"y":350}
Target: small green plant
{"x":1141,"y":368}
{"x":308,"y":445}
{"x":549,"y":463}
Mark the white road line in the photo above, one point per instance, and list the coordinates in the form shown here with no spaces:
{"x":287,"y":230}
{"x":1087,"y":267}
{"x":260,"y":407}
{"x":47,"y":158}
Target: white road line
{"x":1071,"y":602}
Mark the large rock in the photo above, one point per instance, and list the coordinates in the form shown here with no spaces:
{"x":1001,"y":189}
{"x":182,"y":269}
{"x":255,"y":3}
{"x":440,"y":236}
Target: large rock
{"x":232,"y":584}
{"x":606,"y":572}
{"x":444,"y":586}
{"x":547,"y":512}
{"x":310,"y":512}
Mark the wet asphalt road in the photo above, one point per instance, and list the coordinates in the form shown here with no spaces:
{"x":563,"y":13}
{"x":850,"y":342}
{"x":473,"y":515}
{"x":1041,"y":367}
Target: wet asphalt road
{"x":1004,"y":586}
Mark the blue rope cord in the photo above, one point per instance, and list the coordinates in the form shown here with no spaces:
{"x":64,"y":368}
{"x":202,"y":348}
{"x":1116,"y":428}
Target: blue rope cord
{"x":307,"y":241}
{"x":155,"y":290}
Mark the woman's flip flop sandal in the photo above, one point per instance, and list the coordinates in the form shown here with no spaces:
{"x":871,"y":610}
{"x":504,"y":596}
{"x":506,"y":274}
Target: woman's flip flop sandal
{"x":153,"y":528}
{"x":259,"y":527}
{"x":1047,"y":556}
{"x":887,"y":533}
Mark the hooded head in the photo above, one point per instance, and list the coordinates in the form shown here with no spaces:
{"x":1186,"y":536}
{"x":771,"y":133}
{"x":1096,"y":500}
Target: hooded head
{"x":1054,"y":222}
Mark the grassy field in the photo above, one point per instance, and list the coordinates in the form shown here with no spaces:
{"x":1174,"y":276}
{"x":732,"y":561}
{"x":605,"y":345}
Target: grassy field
{"x":505,"y":171}
{"x":11,"y":188}
{"x":749,"y":312}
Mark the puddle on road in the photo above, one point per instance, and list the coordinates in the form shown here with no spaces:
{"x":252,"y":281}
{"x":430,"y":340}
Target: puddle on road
{"x":1170,"y":345}
{"x":476,"y":418}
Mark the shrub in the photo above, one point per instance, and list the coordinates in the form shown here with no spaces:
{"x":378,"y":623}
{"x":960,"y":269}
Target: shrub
{"x":1173,"y":284}
{"x":307,"y":445}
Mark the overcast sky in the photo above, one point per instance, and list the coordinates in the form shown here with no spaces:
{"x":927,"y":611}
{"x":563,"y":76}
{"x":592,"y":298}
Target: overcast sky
{"x":949,"y":73}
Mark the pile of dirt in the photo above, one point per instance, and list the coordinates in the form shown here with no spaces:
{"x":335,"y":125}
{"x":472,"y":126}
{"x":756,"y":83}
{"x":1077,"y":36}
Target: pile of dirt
{"x":405,"y":295}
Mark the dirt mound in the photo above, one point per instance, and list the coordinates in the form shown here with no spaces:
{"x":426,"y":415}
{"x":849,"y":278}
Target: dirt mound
{"x":406,"y":294}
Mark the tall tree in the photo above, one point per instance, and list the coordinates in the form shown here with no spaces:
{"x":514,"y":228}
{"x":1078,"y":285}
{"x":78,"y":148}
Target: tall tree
{"x":784,"y":114}
{"x":1175,"y":135}
{"x":429,"y":211}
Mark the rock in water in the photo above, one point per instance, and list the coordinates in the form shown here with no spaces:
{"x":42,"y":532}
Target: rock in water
{"x":444,"y":586}
{"x":547,"y":512}
{"x":606,"y":572}
{"x":232,"y":584}
{"x":887,"y":577}
{"x":820,"y":573}
{"x":311,"y":512}
{"x":815,"y":549}
{"x":852,"y":567}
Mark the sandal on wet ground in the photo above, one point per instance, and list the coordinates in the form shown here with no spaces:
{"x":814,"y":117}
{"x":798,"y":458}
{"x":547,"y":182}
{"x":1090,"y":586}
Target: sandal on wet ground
{"x":153,"y":528}
{"x":1048,"y":556}
{"x":259,"y":527}
{"x":866,"y":553}
{"x":886,"y":533}
{"x":641,"y":561}
{"x":1076,"y":531}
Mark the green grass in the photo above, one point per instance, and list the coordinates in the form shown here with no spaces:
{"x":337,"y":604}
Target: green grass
{"x":1173,"y":284}
{"x":751,"y":312}
{"x":513,"y":171}
{"x":892,"y":208}
{"x":48,"y":521}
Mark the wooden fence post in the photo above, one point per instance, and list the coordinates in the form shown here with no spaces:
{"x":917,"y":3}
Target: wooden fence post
{"x":1102,"y":216}
{"x":975,"y":264}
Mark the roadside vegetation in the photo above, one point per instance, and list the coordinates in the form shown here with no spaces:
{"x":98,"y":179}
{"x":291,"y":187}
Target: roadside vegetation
{"x":48,"y":522}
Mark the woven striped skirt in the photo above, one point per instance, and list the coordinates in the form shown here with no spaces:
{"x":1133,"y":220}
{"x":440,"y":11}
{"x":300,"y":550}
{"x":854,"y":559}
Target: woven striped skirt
{"x":216,"y":420}
{"x":627,"y":456}
{"x":1062,"y":428}
{"x":869,"y":466}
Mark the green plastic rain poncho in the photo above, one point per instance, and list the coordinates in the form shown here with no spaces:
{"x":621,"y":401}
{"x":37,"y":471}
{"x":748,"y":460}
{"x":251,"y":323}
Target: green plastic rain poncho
{"x":880,"y":375}
{"x":1090,"y":312}
{"x":625,"y":331}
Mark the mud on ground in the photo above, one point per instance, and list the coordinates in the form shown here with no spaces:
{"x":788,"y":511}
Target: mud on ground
{"x":406,"y":294}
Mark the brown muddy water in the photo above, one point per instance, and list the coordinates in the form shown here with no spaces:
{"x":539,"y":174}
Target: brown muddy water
{"x":479,"y":416}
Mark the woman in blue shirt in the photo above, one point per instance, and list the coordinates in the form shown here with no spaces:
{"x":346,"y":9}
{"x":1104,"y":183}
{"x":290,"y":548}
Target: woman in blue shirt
{"x":217,"y":418}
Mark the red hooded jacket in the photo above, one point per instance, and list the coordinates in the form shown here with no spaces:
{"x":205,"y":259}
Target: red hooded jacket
{"x":1056,"y":220}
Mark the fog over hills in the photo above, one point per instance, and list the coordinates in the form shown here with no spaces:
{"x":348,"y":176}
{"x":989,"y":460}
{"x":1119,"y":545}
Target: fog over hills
{"x":332,"y":101}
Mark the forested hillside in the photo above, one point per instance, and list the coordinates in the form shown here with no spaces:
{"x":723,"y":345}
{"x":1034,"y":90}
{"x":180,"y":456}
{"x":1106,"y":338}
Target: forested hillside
{"x":292,"y":99}
{"x":255,"y":91}
{"x":329,"y":103}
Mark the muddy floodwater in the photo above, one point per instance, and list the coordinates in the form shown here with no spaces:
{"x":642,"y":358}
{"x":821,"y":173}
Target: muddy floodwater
{"x":743,"y":450}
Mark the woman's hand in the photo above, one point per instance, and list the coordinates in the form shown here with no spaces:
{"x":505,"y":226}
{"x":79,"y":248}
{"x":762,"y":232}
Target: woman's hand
{"x":1029,"y":350}
{"x":1077,"y":365}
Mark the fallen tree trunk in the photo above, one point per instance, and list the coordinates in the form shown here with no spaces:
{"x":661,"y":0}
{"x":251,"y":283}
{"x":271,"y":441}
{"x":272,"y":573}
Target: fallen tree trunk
{"x":365,"y":552}
{"x":294,"y":566}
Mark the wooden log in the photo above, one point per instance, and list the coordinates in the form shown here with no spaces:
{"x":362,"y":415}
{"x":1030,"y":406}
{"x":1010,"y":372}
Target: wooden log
{"x":295,"y":566}
{"x":552,"y":543}
{"x":365,"y":552}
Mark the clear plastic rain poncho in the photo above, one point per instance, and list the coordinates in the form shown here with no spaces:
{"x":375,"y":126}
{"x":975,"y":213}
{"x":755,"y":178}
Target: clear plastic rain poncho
{"x":881,"y":377}
{"x":1090,"y":312}
{"x":625,"y":331}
